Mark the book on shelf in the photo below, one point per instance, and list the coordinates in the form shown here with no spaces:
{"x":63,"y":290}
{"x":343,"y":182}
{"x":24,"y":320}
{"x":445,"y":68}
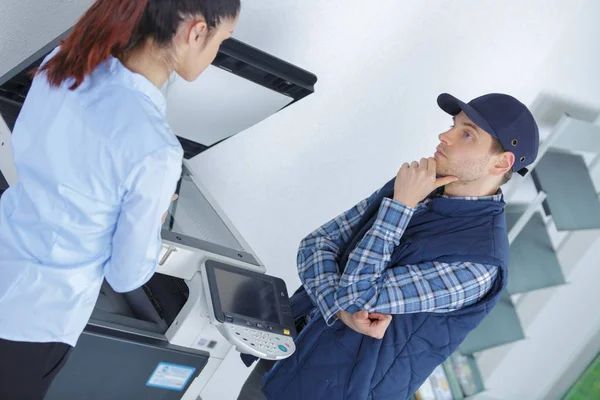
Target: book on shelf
{"x":439,"y":382}
{"x":425,"y":392}
{"x":453,"y":382}
{"x":464,"y":374}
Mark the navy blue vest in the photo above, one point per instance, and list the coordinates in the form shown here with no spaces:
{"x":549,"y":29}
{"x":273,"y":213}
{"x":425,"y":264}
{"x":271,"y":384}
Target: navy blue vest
{"x":334,"y":362}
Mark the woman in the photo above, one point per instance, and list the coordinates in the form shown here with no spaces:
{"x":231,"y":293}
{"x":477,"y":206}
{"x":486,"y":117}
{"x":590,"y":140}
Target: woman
{"x":98,"y":166}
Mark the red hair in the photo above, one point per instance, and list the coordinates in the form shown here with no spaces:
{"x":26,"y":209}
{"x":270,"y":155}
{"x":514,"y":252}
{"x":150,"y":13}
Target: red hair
{"x":105,"y":29}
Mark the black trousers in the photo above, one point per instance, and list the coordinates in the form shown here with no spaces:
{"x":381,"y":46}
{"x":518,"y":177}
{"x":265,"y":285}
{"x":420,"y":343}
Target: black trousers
{"x":251,"y":389}
{"x":28,"y":369}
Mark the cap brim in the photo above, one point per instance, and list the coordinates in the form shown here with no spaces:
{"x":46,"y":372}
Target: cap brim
{"x":454,"y":106}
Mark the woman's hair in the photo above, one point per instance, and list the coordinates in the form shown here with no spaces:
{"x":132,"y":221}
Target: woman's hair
{"x":110,"y":27}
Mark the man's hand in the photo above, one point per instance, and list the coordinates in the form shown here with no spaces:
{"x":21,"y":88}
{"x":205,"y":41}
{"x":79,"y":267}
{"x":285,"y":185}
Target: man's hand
{"x":164,"y":217}
{"x":417,"y":180}
{"x":373,"y":324}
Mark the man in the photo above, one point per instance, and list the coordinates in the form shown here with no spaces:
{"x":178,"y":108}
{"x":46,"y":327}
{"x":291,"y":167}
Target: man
{"x":394,"y":285}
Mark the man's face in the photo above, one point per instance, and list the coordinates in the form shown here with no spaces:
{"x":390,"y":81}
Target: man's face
{"x":464,"y":151}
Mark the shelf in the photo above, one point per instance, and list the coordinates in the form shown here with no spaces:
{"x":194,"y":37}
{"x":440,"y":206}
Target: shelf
{"x":500,"y":326}
{"x":571,"y":197}
{"x":533,"y":264}
{"x":579,"y":136}
{"x":457,"y":378}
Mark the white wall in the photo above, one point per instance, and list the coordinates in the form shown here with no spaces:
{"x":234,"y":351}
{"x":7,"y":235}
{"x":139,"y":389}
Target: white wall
{"x":380,"y":67}
{"x":27,"y":25}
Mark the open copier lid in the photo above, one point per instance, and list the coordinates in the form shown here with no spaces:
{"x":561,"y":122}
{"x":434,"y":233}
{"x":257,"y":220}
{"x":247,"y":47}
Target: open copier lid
{"x":163,"y":322}
{"x":242,"y":87}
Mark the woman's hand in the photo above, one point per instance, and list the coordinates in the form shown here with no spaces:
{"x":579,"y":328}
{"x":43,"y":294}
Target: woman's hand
{"x":164,"y":217}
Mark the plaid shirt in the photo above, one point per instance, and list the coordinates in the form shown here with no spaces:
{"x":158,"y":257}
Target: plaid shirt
{"x":368,"y":284}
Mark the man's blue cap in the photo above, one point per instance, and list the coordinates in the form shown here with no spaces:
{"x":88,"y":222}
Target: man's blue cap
{"x":503,"y":117}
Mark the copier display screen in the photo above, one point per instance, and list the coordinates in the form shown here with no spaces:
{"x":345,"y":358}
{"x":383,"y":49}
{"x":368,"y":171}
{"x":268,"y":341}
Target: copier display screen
{"x":246,"y":296}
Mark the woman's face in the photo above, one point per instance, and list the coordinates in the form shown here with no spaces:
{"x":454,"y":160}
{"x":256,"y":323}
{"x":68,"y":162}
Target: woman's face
{"x":197,"y":47}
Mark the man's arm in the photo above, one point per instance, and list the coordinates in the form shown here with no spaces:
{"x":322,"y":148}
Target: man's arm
{"x":368,"y":284}
{"x":319,"y":253}
{"x":441,"y":292}
{"x":426,"y":287}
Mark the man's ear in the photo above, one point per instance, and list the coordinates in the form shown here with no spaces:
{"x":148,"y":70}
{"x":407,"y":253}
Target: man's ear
{"x":503,"y":163}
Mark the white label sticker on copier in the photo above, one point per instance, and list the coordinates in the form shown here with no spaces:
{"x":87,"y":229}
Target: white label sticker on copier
{"x":170,"y":376}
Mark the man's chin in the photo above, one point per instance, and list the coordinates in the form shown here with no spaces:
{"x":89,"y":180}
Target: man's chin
{"x":443,"y":173}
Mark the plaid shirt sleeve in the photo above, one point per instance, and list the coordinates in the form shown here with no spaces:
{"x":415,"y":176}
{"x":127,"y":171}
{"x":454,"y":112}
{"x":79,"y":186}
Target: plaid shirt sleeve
{"x":319,"y":252}
{"x":367,"y":284}
{"x":429,"y":287}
